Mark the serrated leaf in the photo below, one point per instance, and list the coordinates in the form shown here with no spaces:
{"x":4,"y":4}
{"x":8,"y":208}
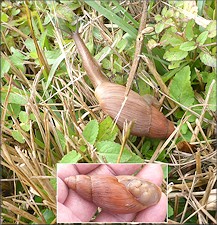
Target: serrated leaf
{"x":110,"y":151}
{"x":91,"y":131}
{"x":106,"y":131}
{"x":189,"y":32}
{"x":18,"y":136}
{"x":188,"y":46}
{"x":23,"y":116}
{"x":159,"y":27}
{"x":71,"y":157}
{"x":207,"y":59}
{"x":202,"y":38}
{"x":180,"y":88}
{"x":174,"y":54}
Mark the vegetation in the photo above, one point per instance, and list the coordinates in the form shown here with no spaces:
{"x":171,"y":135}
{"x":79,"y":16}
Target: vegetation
{"x":50,"y":115}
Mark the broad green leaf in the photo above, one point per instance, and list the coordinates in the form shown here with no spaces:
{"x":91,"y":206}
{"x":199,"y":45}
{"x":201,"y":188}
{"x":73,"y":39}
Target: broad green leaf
{"x":159,"y":27}
{"x":17,"y":59}
{"x":48,"y":215}
{"x":207,"y":59}
{"x":106,"y":131}
{"x":188,"y":46}
{"x":202,"y":38}
{"x":14,"y":109}
{"x":71,"y":157}
{"x":174,"y":54}
{"x":189,"y":31}
{"x":23,"y":116}
{"x":15,"y":96}
{"x":180,"y":88}
{"x":4,"y":17}
{"x":170,"y":210}
{"x":110,"y":151}
{"x":5,"y":66}
{"x":211,"y":28}
{"x":25,"y":126}
{"x":18,"y":136}
{"x":91,"y":131}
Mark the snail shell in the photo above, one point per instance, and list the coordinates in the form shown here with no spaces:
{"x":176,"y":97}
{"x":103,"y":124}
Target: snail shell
{"x":147,"y":120}
{"x":120,"y":194}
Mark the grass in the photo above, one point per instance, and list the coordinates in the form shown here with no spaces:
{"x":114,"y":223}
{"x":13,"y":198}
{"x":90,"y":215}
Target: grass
{"x":48,"y":101}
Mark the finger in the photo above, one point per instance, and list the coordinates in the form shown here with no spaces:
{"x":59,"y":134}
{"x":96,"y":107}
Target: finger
{"x":62,"y":191}
{"x":64,"y":214}
{"x":155,"y":213}
{"x":66,"y":170}
{"x":152,"y":172}
{"x":82,"y":209}
{"x":107,"y":217}
{"x":85,"y":168}
{"x":124,"y":169}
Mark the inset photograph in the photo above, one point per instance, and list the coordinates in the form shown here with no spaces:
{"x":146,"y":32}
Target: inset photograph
{"x":111,"y":193}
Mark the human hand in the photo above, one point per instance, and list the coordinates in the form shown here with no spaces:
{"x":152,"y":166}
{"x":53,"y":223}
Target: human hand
{"x":73,"y":208}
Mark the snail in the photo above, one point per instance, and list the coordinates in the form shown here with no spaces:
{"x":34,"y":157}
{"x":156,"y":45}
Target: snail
{"x":147,"y":119}
{"x":116,"y":194}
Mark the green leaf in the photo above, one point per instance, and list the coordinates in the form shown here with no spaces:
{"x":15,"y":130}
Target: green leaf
{"x":4,"y":17}
{"x":15,"y":98}
{"x":23,"y":116}
{"x":188,"y":46}
{"x":106,"y":131}
{"x":18,"y":136}
{"x":211,"y":28}
{"x":180,"y":88}
{"x":48,"y":216}
{"x":25,"y":126}
{"x":110,"y":151}
{"x":189,"y":31}
{"x":159,"y":27}
{"x":17,"y":59}
{"x":174,"y":54}
{"x":71,"y":157}
{"x":170,"y":210}
{"x":5,"y":66}
{"x":91,"y":131}
{"x":14,"y":109}
{"x":207,"y":59}
{"x":202,"y":38}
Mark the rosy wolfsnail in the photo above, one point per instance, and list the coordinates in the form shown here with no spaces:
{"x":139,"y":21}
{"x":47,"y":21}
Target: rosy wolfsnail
{"x":116,"y":194}
{"x":147,"y":119}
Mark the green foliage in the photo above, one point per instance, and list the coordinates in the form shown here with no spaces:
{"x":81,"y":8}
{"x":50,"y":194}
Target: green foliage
{"x":107,"y":131}
{"x":170,"y":211}
{"x":102,"y":136}
{"x":71,"y":157}
{"x":91,"y":131}
{"x":181,"y":89}
{"x":110,"y":151}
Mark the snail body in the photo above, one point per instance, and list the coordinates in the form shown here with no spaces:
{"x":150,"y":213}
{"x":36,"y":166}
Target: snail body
{"x":147,"y":119}
{"x":120,"y":194}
